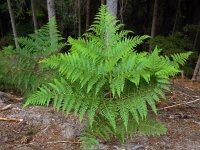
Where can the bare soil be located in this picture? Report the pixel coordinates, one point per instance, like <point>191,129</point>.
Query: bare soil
<point>45,129</point>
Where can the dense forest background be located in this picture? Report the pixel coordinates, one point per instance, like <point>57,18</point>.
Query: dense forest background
<point>176,22</point>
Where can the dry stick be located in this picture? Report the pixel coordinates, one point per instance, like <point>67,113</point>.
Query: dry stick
<point>179,104</point>
<point>18,146</point>
<point>55,142</point>
<point>10,96</point>
<point>10,119</point>
<point>72,142</point>
<point>6,107</point>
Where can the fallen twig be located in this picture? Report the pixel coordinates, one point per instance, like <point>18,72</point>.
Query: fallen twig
<point>179,104</point>
<point>53,142</point>
<point>6,107</point>
<point>11,119</point>
<point>11,97</point>
<point>185,94</point>
<point>18,146</point>
<point>72,142</point>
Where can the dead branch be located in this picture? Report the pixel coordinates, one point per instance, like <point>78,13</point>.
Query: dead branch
<point>11,119</point>
<point>6,107</point>
<point>179,104</point>
<point>53,142</point>
<point>72,142</point>
<point>10,96</point>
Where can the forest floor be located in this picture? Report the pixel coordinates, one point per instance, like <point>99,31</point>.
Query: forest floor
<point>45,129</point>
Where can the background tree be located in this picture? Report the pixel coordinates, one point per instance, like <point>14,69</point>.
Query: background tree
<point>121,5</point>
<point>154,19</point>
<point>12,19</point>
<point>51,8</point>
<point>196,75</point>
<point>103,1</point>
<point>177,14</point>
<point>34,16</point>
<point>112,6</point>
<point>196,36</point>
<point>87,13</point>
<point>79,17</point>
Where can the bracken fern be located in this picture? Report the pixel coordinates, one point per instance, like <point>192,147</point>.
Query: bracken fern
<point>104,78</point>
<point>20,67</point>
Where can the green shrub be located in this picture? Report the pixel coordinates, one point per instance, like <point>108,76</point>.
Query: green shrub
<point>171,44</point>
<point>6,40</point>
<point>104,78</point>
<point>20,67</point>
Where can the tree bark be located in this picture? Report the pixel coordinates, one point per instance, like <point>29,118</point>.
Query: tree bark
<point>79,17</point>
<point>196,75</point>
<point>1,28</point>
<point>121,11</point>
<point>51,8</point>
<point>177,12</point>
<point>34,14</point>
<point>112,7</point>
<point>196,36</point>
<point>13,23</point>
<point>155,12</point>
<point>87,14</point>
<point>103,2</point>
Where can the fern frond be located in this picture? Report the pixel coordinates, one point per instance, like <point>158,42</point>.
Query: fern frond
<point>27,75</point>
<point>109,114</point>
<point>88,142</point>
<point>180,58</point>
<point>151,127</point>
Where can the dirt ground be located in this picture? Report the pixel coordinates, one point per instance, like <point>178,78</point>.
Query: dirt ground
<point>44,129</point>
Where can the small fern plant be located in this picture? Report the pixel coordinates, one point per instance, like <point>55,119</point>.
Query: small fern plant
<point>104,79</point>
<point>20,66</point>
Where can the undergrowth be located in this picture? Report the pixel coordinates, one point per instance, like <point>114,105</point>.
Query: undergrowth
<point>20,68</point>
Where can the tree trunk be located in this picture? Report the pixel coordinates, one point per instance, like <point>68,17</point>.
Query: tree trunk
<point>177,12</point>
<point>51,14</point>
<point>196,37</point>
<point>34,15</point>
<point>87,14</point>
<point>121,11</point>
<point>112,7</point>
<point>196,75</point>
<point>1,28</point>
<point>79,17</point>
<point>103,2</point>
<point>13,23</point>
<point>155,11</point>
<point>51,8</point>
